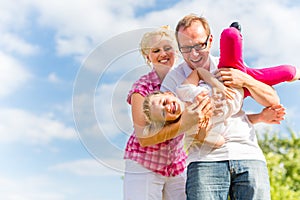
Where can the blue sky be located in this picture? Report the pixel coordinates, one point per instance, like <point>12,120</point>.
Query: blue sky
<point>66,68</point>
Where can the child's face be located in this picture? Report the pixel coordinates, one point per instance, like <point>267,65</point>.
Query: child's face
<point>165,107</point>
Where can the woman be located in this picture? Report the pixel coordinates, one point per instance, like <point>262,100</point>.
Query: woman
<point>155,164</point>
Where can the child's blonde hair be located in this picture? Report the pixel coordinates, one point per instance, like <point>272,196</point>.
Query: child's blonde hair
<point>146,106</point>
<point>153,125</point>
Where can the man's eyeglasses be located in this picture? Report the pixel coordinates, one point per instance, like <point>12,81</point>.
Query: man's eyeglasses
<point>197,47</point>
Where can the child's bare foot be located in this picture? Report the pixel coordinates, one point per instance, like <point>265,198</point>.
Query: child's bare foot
<point>297,75</point>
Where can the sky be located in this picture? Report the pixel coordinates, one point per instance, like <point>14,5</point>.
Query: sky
<point>67,66</point>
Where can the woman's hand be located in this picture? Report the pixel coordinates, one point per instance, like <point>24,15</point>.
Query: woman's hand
<point>202,133</point>
<point>196,113</point>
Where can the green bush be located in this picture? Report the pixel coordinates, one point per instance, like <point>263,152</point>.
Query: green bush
<point>283,158</point>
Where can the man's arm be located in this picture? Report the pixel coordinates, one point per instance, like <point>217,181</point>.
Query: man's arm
<point>260,92</point>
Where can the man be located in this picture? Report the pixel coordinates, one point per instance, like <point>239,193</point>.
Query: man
<point>238,168</point>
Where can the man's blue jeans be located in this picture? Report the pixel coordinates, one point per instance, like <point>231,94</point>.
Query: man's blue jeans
<point>241,179</point>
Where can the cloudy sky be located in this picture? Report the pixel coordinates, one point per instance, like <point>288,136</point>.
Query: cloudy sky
<point>66,68</point>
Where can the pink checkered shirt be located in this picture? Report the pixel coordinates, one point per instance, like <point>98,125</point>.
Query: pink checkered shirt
<point>167,158</point>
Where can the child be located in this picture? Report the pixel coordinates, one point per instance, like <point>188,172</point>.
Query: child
<point>230,55</point>
<point>164,108</point>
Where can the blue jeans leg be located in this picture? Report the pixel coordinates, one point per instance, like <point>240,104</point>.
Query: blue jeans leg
<point>241,179</point>
<point>208,180</point>
<point>249,180</point>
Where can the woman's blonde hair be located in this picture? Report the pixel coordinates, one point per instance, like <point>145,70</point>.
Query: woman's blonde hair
<point>164,32</point>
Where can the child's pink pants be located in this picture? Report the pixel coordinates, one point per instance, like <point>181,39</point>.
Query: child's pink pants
<point>231,56</point>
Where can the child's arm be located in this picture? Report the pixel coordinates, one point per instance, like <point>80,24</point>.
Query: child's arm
<point>193,78</point>
<point>207,77</point>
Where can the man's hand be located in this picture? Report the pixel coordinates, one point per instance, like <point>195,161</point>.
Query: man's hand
<point>260,92</point>
<point>232,77</point>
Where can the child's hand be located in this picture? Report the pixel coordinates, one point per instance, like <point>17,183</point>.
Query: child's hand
<point>273,114</point>
<point>218,99</point>
<point>224,94</point>
<point>229,93</point>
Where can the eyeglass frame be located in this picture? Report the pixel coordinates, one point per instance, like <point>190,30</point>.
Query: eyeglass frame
<point>204,45</point>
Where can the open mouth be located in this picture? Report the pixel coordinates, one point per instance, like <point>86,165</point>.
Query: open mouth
<point>174,107</point>
<point>164,61</point>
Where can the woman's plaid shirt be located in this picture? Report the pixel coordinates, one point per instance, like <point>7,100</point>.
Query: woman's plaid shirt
<point>167,158</point>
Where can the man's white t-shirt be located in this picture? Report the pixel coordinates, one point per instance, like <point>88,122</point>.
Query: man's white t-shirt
<point>240,137</point>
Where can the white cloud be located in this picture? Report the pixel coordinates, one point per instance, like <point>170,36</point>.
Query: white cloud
<point>265,26</point>
<point>15,44</point>
<point>84,23</point>
<point>13,22</point>
<point>29,188</point>
<point>113,113</point>
<point>12,17</point>
<point>22,126</point>
<point>270,30</point>
<point>101,121</point>
<point>12,75</point>
<point>269,26</point>
<point>89,167</point>
<point>52,77</point>
<point>56,186</point>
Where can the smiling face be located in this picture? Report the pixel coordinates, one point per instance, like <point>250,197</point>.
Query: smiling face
<point>165,107</point>
<point>191,36</point>
<point>160,50</point>
<point>162,53</point>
